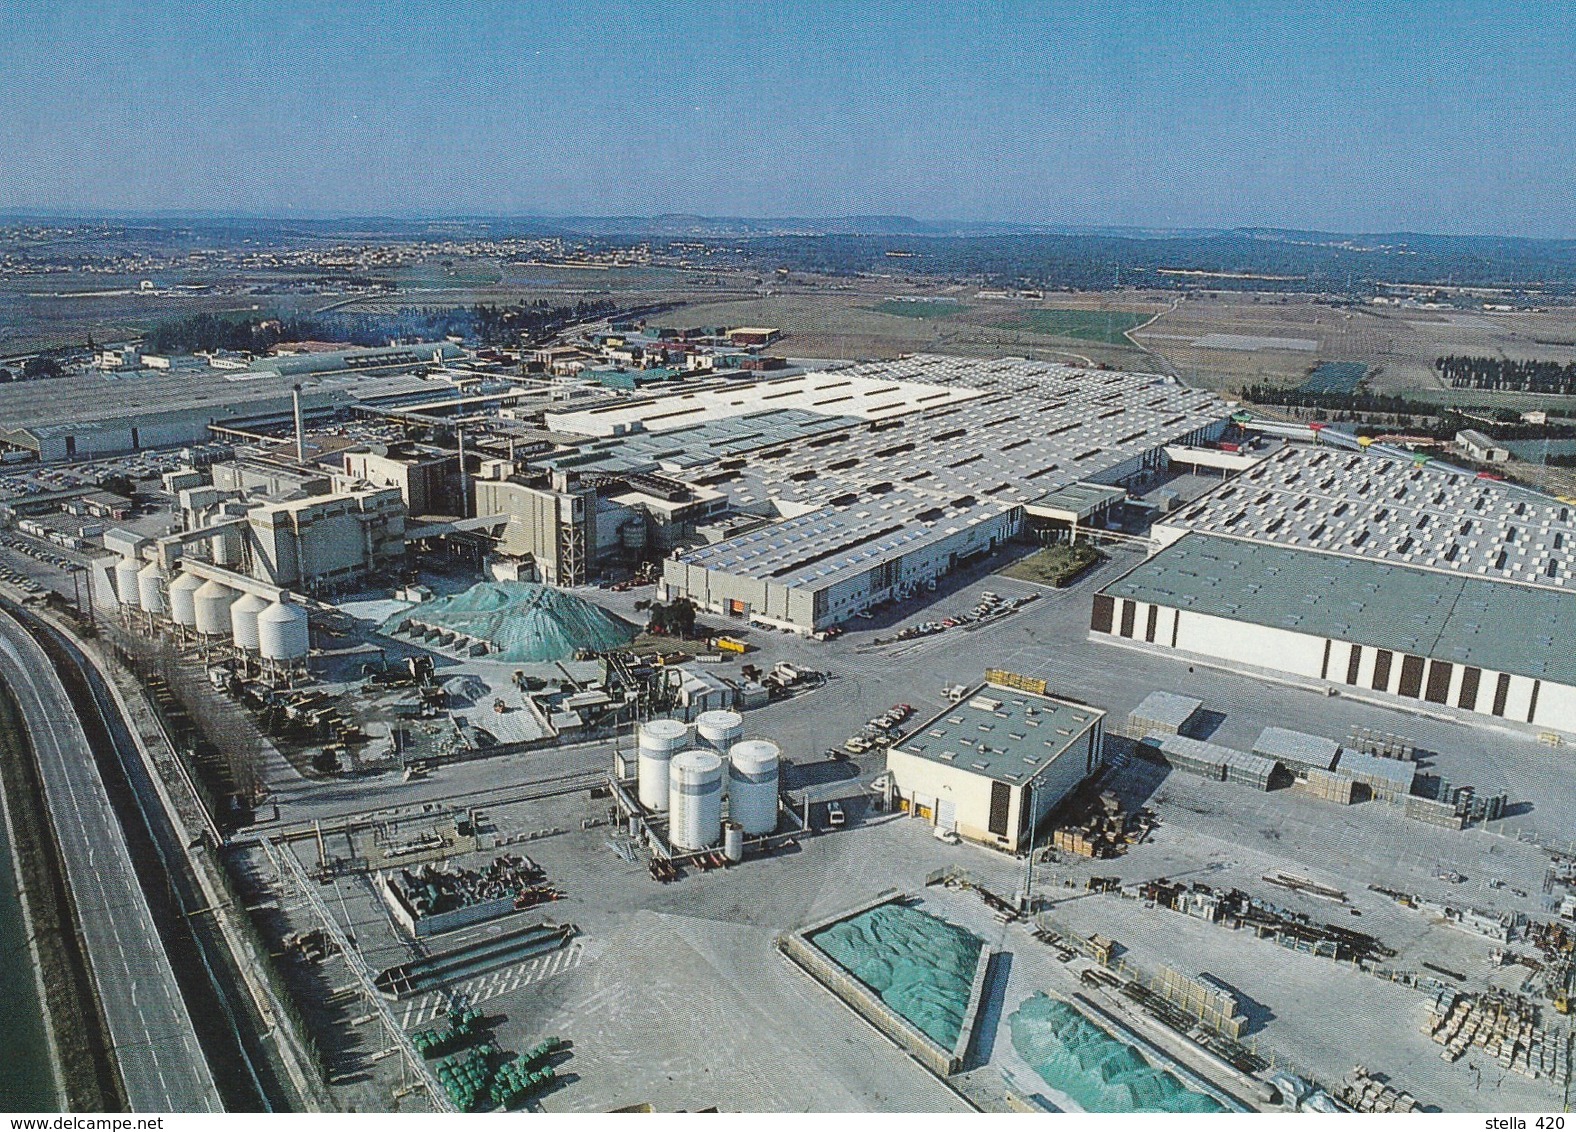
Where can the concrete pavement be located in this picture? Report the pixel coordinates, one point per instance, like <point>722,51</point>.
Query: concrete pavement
<point>160,1061</point>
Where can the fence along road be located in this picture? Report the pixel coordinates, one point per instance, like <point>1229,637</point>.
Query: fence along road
<point>160,1061</point>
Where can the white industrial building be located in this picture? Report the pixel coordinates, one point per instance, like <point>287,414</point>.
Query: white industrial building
<point>1400,576</point>
<point>992,766</point>
<point>327,540</point>
<point>95,414</point>
<point>1409,512</point>
<point>927,462</point>
<point>1428,636</point>
<point>1481,447</point>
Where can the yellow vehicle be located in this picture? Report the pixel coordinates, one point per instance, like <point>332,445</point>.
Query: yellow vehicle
<point>729,644</point>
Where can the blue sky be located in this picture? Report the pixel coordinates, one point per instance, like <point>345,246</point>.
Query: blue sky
<point>1349,116</point>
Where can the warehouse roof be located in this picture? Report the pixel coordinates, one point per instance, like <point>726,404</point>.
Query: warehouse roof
<point>1375,506</point>
<point>1078,499</point>
<point>831,543</point>
<point>66,404</point>
<point>1026,430</point>
<point>1495,625</point>
<point>1001,733</point>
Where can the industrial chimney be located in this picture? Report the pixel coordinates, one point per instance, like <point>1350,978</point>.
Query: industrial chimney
<point>295,401</point>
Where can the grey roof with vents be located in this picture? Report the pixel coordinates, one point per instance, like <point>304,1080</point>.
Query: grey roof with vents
<point>1501,626</point>
<point>1009,743</point>
<point>1372,505</point>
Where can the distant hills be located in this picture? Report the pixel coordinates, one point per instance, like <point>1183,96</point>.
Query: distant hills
<point>1034,255</point>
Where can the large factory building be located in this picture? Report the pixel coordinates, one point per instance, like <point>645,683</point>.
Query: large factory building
<point>992,766</point>
<point>873,481</point>
<point>1415,582</point>
<point>92,415</point>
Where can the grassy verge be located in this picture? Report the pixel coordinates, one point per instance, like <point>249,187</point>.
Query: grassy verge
<point>1055,565</point>
<point>87,1062</point>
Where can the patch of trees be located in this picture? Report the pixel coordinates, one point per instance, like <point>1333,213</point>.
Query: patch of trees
<point>1520,375</point>
<point>41,367</point>
<point>119,484</point>
<point>673,619</point>
<point>205,331</point>
<point>216,737</point>
<point>1389,411</point>
<point>488,324</point>
<point>1362,402</point>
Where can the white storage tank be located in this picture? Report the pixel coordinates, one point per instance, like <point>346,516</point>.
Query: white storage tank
<point>150,588</point>
<point>733,841</point>
<point>212,607</point>
<point>659,741</point>
<point>126,583</point>
<point>183,599</point>
<point>243,620</point>
<point>282,632</point>
<point>753,768</point>
<point>695,795</point>
<point>719,730</point>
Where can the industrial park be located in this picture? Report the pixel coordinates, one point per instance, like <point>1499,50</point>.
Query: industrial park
<point>900,559</point>
<point>999,717</point>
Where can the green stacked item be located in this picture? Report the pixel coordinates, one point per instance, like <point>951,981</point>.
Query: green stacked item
<point>433,1042</point>
<point>525,1075</point>
<point>465,1077</point>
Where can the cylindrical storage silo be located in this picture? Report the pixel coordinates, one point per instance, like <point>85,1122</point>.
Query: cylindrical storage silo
<point>150,588</point>
<point>719,730</point>
<point>211,604</point>
<point>126,583</point>
<point>733,841</point>
<point>243,620</point>
<point>695,798</point>
<point>660,740</point>
<point>183,599</point>
<point>282,632</point>
<point>753,768</point>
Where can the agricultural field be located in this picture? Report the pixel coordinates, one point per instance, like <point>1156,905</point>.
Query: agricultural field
<point>920,308</point>
<point>826,320</point>
<point>1335,377</point>
<point>1230,341</point>
<point>1106,326</point>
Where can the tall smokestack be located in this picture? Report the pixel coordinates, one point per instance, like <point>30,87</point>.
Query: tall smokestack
<point>465,503</point>
<point>295,401</point>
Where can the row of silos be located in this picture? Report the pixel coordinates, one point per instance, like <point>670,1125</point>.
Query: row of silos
<point>690,782</point>
<point>274,630</point>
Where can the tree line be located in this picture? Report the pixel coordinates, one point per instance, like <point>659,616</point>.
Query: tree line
<point>1523,375</point>
<point>488,324</point>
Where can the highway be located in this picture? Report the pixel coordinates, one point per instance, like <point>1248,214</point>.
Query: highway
<point>160,1061</point>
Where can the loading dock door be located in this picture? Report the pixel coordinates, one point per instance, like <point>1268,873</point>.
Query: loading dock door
<point>946,814</point>
<point>737,608</point>
<point>924,807</point>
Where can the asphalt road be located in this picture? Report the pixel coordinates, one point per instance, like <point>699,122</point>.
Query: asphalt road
<point>160,1061</point>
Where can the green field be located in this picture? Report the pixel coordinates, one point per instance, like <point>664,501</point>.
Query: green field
<point>1085,326</point>
<point>920,308</point>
